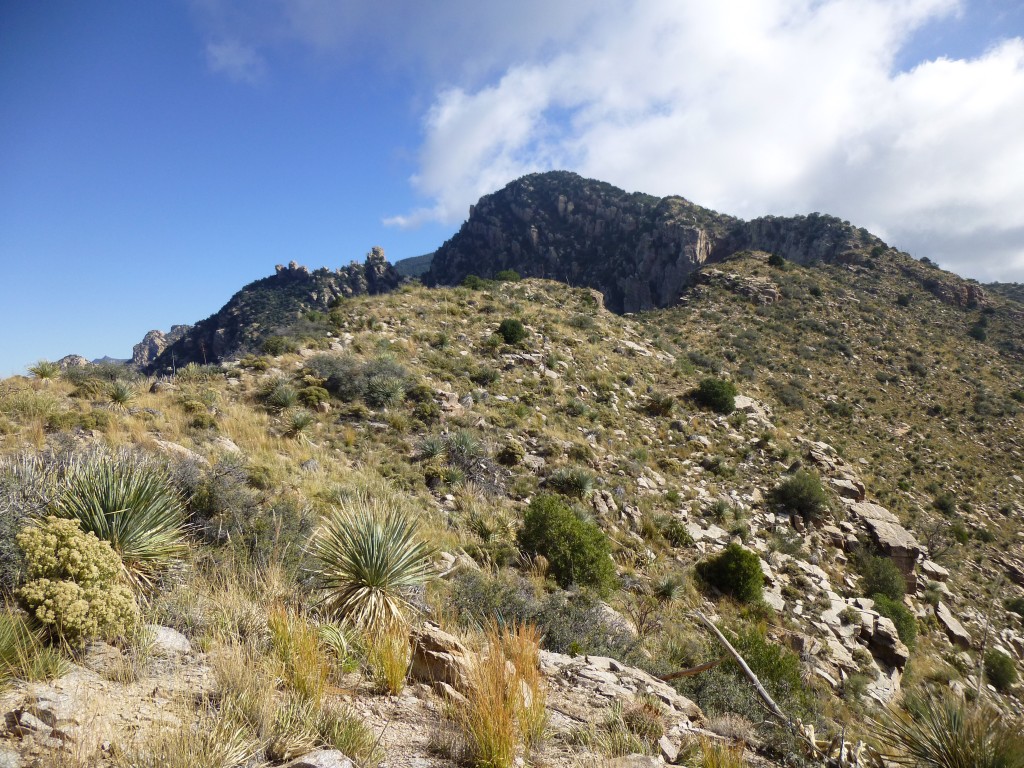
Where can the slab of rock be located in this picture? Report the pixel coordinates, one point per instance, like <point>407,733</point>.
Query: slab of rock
<point>848,489</point>
<point>934,571</point>
<point>955,631</point>
<point>889,534</point>
<point>438,657</point>
<point>322,758</point>
<point>886,645</point>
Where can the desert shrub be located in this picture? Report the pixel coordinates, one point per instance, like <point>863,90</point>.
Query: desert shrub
<point>575,482</point>
<point>507,276</point>
<point>660,404</point>
<point>675,531</point>
<point>734,571</point>
<point>298,421</point>
<point>279,345</point>
<point>26,486</point>
<point>129,502</point>
<point>511,453</point>
<point>569,622</point>
<point>512,330</point>
<point>999,670</point>
<point>717,394</point>
<point>1015,605</point>
<point>774,260</point>
<point>900,615</point>
<point>801,494</point>
<point>311,397</point>
<point>879,575</point>
<point>368,552</point>
<point>474,282</point>
<point>577,550</point>
<point>73,585</point>
<point>340,374</point>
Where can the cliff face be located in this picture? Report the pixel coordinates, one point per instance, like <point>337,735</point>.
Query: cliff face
<point>263,307</point>
<point>638,250</point>
<point>641,251</point>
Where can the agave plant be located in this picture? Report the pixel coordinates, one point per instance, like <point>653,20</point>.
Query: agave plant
<point>369,552</point>
<point>945,734</point>
<point>129,502</point>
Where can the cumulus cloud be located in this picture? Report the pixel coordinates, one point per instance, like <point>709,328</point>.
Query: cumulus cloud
<point>754,107</point>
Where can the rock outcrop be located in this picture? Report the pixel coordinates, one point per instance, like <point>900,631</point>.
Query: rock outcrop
<point>154,343</point>
<point>269,306</point>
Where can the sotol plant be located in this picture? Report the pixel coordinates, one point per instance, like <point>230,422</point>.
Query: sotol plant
<point>129,502</point>
<point>368,552</point>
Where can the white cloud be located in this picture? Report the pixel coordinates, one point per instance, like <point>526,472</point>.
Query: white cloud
<point>235,60</point>
<point>754,107</point>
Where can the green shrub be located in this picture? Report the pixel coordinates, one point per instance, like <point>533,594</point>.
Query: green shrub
<point>801,494</point>
<point>660,404</point>
<point>74,585</point>
<point>311,397</point>
<point>572,481</point>
<point>384,390</point>
<point>717,394</point>
<point>1015,605</point>
<point>508,276</point>
<point>774,260</point>
<point>129,502</point>
<point>900,615</point>
<point>1000,670</point>
<point>577,550</point>
<point>474,282</point>
<point>280,345</point>
<point>879,575</point>
<point>734,571</point>
<point>280,395</point>
<point>512,330</point>
<point>511,453</point>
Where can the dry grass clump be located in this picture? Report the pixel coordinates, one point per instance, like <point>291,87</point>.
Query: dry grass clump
<point>504,700</point>
<point>715,754</point>
<point>297,645</point>
<point>387,657</point>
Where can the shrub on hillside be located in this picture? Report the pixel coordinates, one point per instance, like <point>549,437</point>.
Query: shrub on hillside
<point>577,550</point>
<point>508,276</point>
<point>512,330</point>
<point>879,575</point>
<point>734,571</point>
<point>900,615</point>
<point>572,481</point>
<point>801,494</point>
<point>999,670</point>
<point>73,585</point>
<point>717,394</point>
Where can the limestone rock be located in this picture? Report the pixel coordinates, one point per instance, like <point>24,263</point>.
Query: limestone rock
<point>955,631</point>
<point>891,537</point>
<point>168,642</point>
<point>934,571</point>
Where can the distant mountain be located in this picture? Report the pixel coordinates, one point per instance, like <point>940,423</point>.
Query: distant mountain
<point>265,307</point>
<point>642,251</point>
<point>414,266</point>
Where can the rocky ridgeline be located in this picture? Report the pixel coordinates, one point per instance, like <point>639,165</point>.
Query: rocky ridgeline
<point>642,252</point>
<point>261,309</point>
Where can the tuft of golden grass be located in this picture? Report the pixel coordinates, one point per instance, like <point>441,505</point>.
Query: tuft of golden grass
<point>717,754</point>
<point>296,642</point>
<point>487,719</point>
<point>521,645</point>
<point>387,657</point>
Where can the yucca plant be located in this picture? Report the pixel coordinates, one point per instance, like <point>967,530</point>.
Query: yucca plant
<point>23,655</point>
<point>120,393</point>
<point>129,502</point>
<point>945,734</point>
<point>299,421</point>
<point>44,370</point>
<point>368,552</point>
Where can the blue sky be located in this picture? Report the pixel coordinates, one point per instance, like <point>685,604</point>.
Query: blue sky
<point>155,157</point>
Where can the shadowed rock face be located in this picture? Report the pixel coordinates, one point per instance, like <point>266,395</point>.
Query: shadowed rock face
<point>263,308</point>
<point>640,251</point>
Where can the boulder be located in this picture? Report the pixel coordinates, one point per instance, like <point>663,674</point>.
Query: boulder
<point>886,645</point>
<point>955,631</point>
<point>934,571</point>
<point>439,657</point>
<point>168,642</point>
<point>891,537</point>
<point>321,758</point>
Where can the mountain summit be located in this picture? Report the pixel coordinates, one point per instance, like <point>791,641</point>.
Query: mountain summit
<point>642,251</point>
